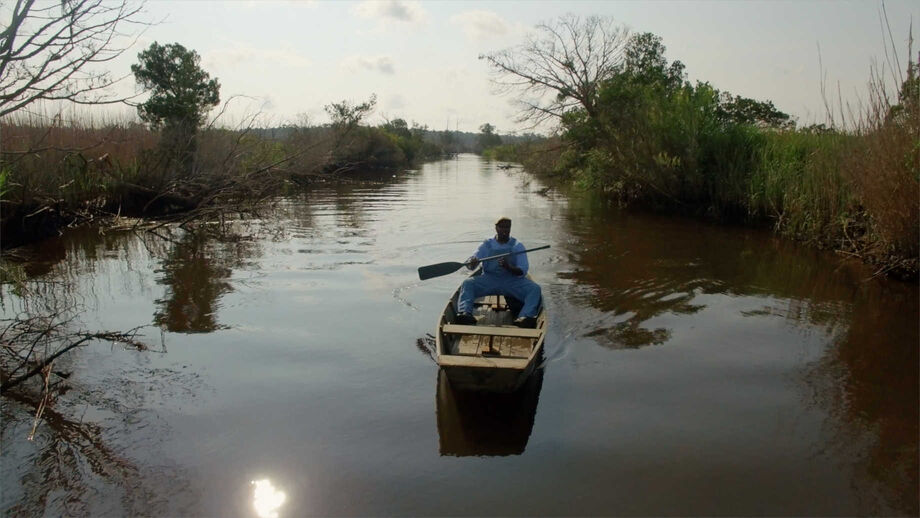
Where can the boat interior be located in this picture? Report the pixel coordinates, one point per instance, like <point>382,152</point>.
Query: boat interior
<point>494,333</point>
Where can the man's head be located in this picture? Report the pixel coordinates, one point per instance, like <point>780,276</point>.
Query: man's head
<point>502,229</point>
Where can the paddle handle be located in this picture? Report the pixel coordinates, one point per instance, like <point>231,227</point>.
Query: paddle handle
<point>544,247</point>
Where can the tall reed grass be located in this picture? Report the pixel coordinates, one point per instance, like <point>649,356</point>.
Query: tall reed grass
<point>68,161</point>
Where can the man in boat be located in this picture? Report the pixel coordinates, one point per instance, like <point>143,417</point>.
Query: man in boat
<point>505,276</point>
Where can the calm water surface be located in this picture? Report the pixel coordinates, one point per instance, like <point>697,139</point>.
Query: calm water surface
<point>690,369</point>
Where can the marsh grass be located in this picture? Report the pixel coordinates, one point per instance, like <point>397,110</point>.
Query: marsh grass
<point>883,166</point>
<point>56,172</point>
<point>67,162</point>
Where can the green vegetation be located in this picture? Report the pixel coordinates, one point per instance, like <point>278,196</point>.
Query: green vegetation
<point>646,137</point>
<point>181,94</point>
<point>487,137</point>
<point>629,125</point>
<point>62,174</point>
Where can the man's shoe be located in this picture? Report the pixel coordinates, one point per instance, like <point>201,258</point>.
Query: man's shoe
<point>465,319</point>
<point>526,322</point>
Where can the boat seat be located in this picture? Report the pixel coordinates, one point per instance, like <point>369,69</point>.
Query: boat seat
<point>500,303</point>
<point>516,332</point>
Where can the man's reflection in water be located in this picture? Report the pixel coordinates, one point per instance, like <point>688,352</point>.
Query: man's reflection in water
<point>485,424</point>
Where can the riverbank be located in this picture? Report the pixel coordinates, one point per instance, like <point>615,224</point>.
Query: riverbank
<point>54,176</point>
<point>855,191</point>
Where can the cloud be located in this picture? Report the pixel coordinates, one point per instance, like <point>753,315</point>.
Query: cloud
<point>255,5</point>
<point>481,24</point>
<point>395,102</point>
<point>382,64</point>
<point>236,56</point>
<point>398,10</point>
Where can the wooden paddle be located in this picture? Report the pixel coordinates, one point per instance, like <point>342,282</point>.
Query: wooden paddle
<point>437,270</point>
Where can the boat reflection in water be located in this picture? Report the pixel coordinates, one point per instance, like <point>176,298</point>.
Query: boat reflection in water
<point>472,423</point>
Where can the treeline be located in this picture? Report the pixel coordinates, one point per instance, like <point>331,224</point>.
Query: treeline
<point>55,174</point>
<point>175,163</point>
<point>447,142</point>
<point>646,137</point>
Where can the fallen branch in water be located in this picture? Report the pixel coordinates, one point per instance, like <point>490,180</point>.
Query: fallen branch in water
<point>46,395</point>
<point>22,337</point>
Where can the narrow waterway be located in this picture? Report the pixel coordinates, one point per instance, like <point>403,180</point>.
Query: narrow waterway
<point>690,369</point>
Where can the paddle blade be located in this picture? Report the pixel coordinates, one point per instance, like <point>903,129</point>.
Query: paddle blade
<point>437,270</point>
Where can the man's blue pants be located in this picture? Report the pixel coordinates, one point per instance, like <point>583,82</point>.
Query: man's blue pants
<point>520,288</point>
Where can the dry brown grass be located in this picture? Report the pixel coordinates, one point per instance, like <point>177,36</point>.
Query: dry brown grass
<point>883,165</point>
<point>121,139</point>
<point>60,160</point>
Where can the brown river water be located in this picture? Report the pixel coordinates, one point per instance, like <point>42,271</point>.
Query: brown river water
<point>690,369</point>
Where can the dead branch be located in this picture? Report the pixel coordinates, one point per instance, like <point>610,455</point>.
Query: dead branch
<point>48,51</point>
<point>56,328</point>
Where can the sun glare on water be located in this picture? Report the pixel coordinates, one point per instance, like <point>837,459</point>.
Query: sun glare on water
<point>266,498</point>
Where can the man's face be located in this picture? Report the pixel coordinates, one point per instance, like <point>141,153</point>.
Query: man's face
<point>503,231</point>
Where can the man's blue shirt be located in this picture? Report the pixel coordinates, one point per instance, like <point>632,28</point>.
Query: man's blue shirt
<point>491,247</point>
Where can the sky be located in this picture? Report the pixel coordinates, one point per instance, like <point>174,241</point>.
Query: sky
<point>284,61</point>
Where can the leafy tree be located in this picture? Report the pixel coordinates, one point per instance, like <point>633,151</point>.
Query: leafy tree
<point>638,88</point>
<point>398,127</point>
<point>346,115</point>
<point>181,95</point>
<point>45,50</point>
<point>487,137</point>
<point>741,110</point>
<point>181,92</point>
<point>560,67</point>
<point>645,63</point>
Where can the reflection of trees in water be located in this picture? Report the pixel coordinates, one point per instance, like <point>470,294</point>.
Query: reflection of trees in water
<point>55,273</point>
<point>640,267</point>
<point>65,455</point>
<point>868,380</point>
<point>71,461</point>
<point>195,272</point>
<point>356,199</point>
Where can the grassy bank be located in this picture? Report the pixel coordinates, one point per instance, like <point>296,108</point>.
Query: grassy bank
<point>54,174</point>
<point>855,189</point>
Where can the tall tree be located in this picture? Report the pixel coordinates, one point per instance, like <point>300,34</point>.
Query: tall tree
<point>48,51</point>
<point>560,67</point>
<point>181,92</point>
<point>487,137</point>
<point>181,95</point>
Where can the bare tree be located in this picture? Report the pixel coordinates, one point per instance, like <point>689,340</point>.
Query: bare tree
<point>49,49</point>
<point>560,66</point>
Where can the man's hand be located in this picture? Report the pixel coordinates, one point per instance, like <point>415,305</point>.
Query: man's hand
<point>472,262</point>
<point>503,262</point>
